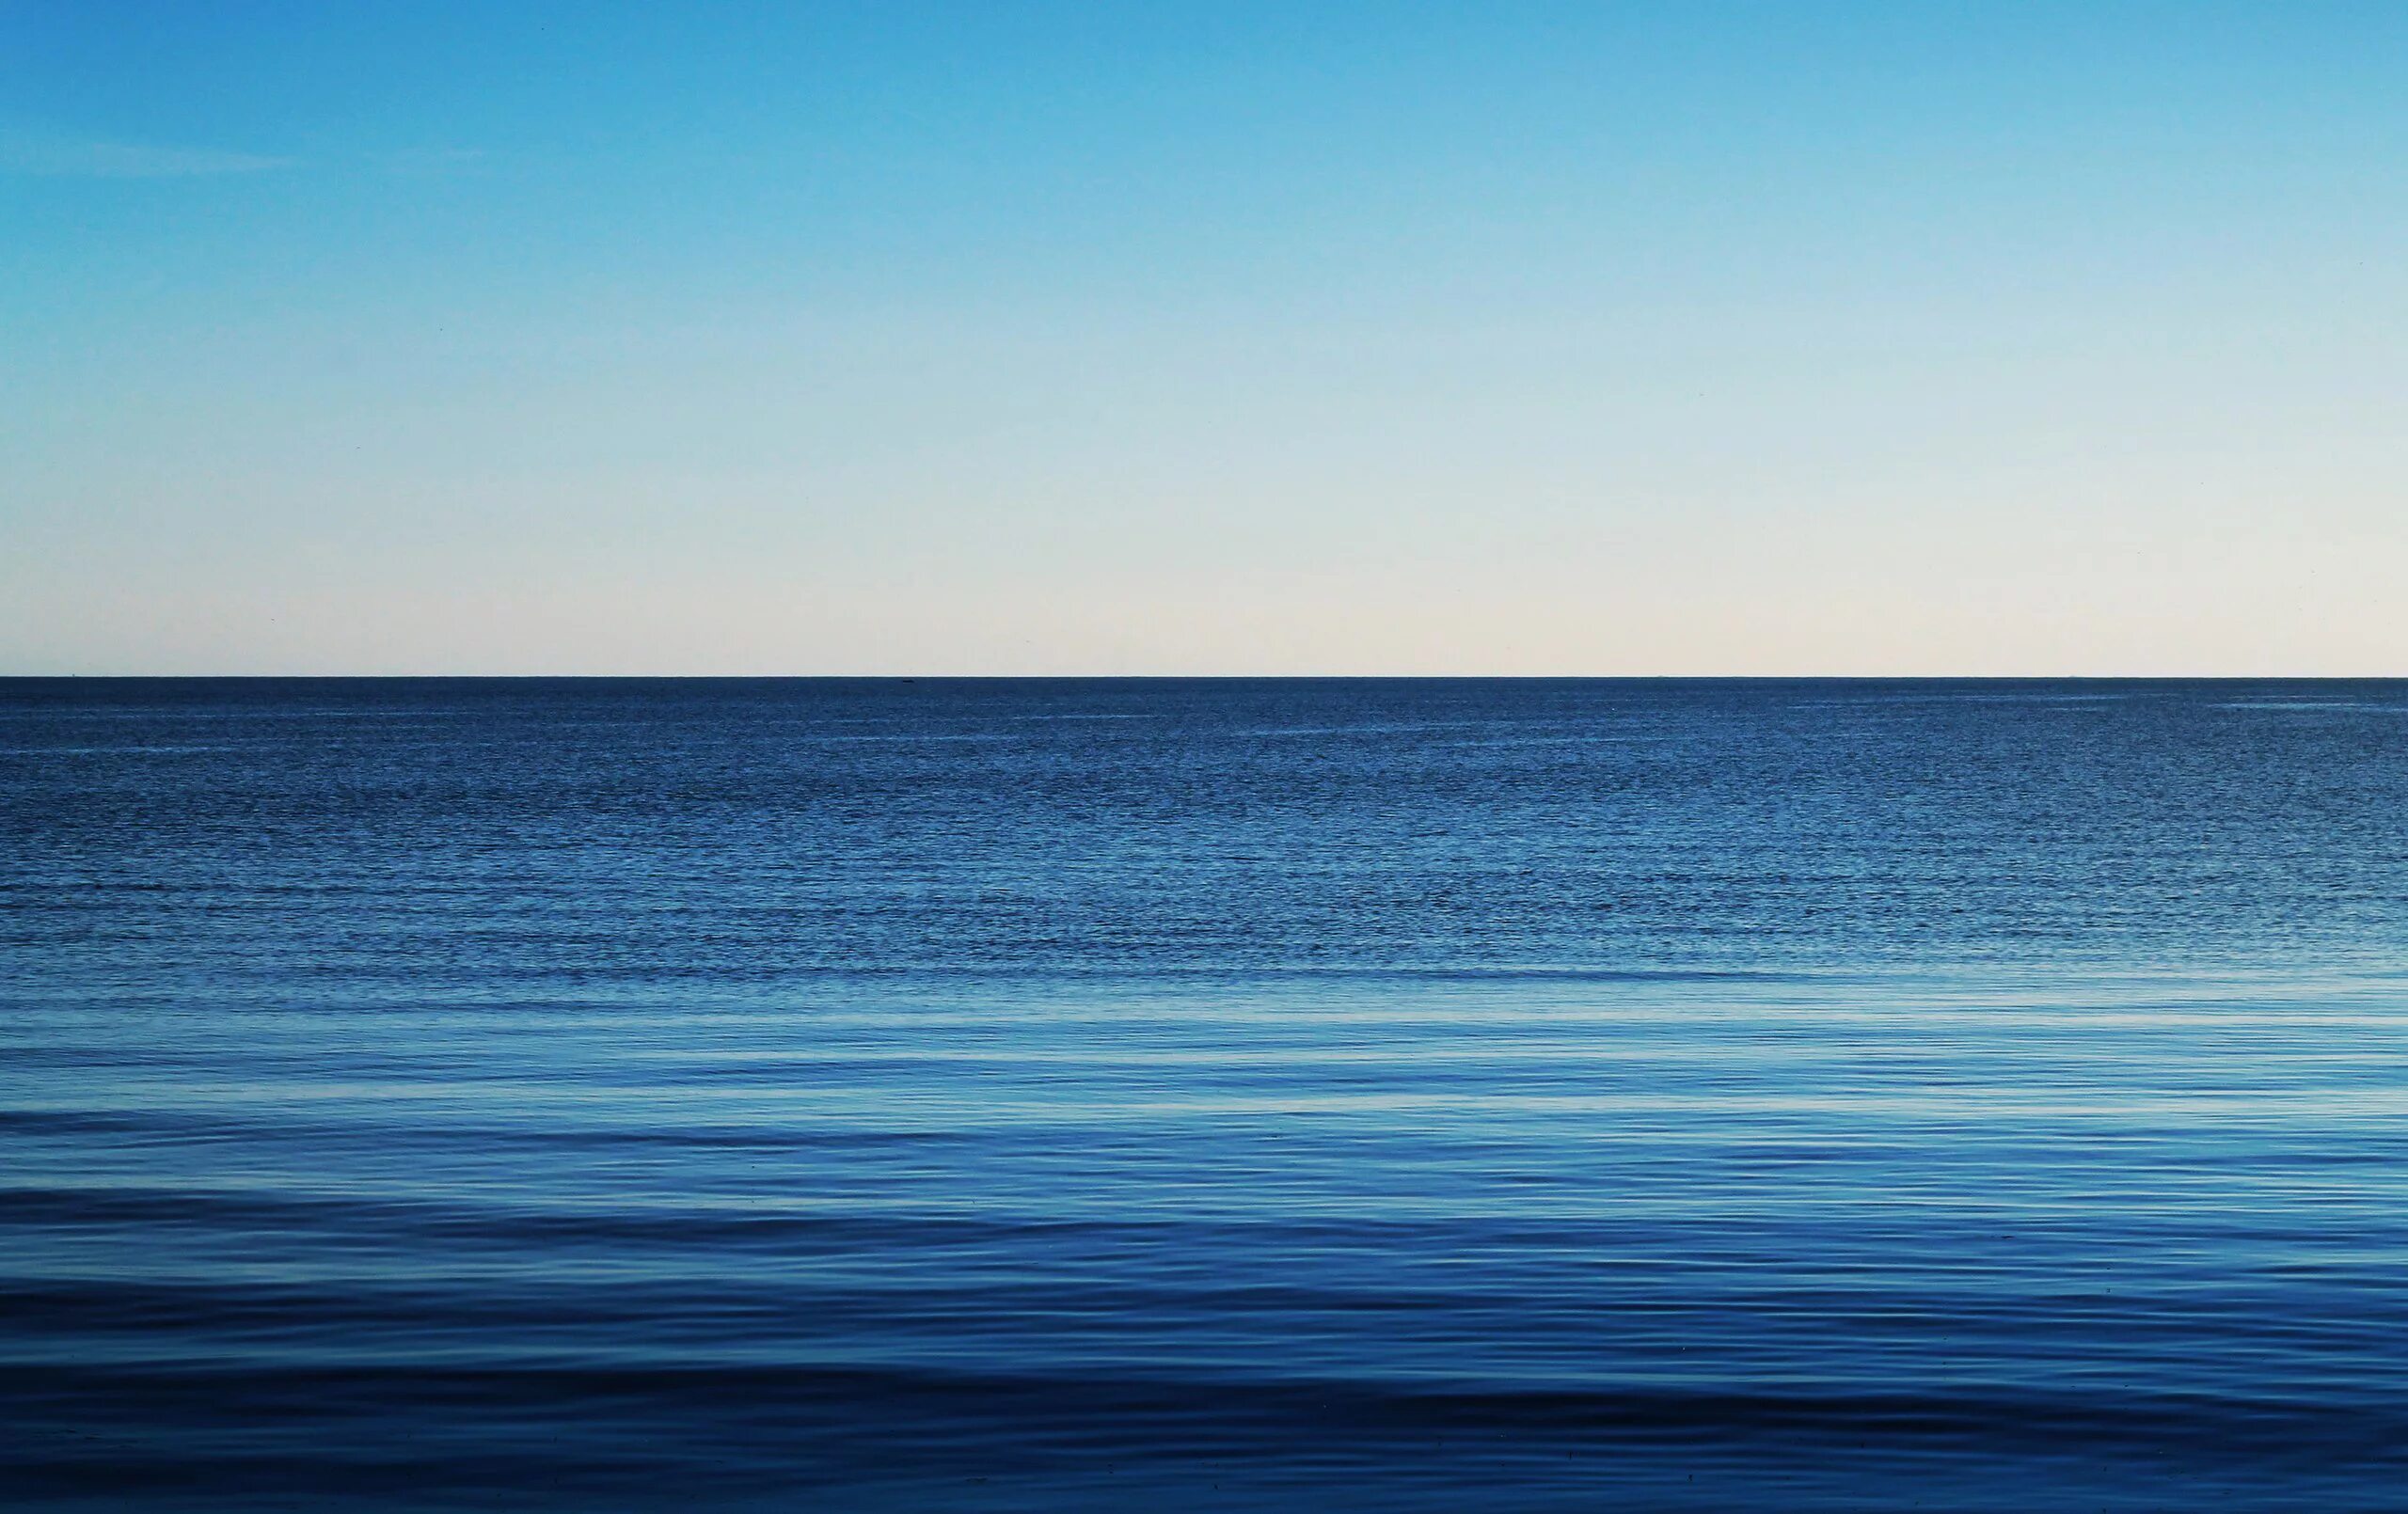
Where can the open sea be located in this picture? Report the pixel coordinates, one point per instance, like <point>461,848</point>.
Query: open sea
<point>1089,1096</point>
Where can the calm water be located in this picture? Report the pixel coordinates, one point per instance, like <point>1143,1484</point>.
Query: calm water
<point>1163,1094</point>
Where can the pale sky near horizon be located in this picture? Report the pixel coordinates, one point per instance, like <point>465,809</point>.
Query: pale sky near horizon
<point>1680,338</point>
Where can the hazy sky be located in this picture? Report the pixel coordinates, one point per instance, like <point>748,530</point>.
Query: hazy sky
<point>1140,337</point>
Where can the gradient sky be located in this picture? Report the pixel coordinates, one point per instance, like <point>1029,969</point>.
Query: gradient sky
<point>1688,337</point>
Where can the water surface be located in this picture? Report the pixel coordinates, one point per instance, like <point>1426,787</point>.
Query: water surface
<point>1073,1095</point>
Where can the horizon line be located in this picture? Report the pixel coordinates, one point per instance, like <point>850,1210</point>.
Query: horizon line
<point>1250,678</point>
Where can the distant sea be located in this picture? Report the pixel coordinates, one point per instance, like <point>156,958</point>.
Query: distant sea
<point>1203,1094</point>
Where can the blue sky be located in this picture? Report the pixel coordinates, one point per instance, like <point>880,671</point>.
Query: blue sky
<point>1682,338</point>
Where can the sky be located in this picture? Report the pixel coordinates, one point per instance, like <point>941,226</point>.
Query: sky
<point>1690,338</point>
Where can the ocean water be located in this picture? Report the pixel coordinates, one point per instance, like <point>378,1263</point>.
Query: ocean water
<point>1098,1096</point>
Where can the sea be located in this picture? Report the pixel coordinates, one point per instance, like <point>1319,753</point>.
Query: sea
<point>1183,1095</point>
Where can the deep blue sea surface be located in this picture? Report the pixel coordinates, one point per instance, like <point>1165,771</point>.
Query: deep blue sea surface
<point>1163,1094</point>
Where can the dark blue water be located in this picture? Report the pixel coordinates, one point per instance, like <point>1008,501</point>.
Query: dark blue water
<point>1166,1095</point>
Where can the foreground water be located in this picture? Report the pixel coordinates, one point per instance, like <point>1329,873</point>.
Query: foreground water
<point>1100,1095</point>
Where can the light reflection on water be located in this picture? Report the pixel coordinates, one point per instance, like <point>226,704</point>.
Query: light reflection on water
<point>1219,1095</point>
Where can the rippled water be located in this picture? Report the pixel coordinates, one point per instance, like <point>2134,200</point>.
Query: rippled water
<point>1204,1095</point>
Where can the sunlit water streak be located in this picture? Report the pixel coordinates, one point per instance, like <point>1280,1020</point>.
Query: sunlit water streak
<point>1071,1095</point>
